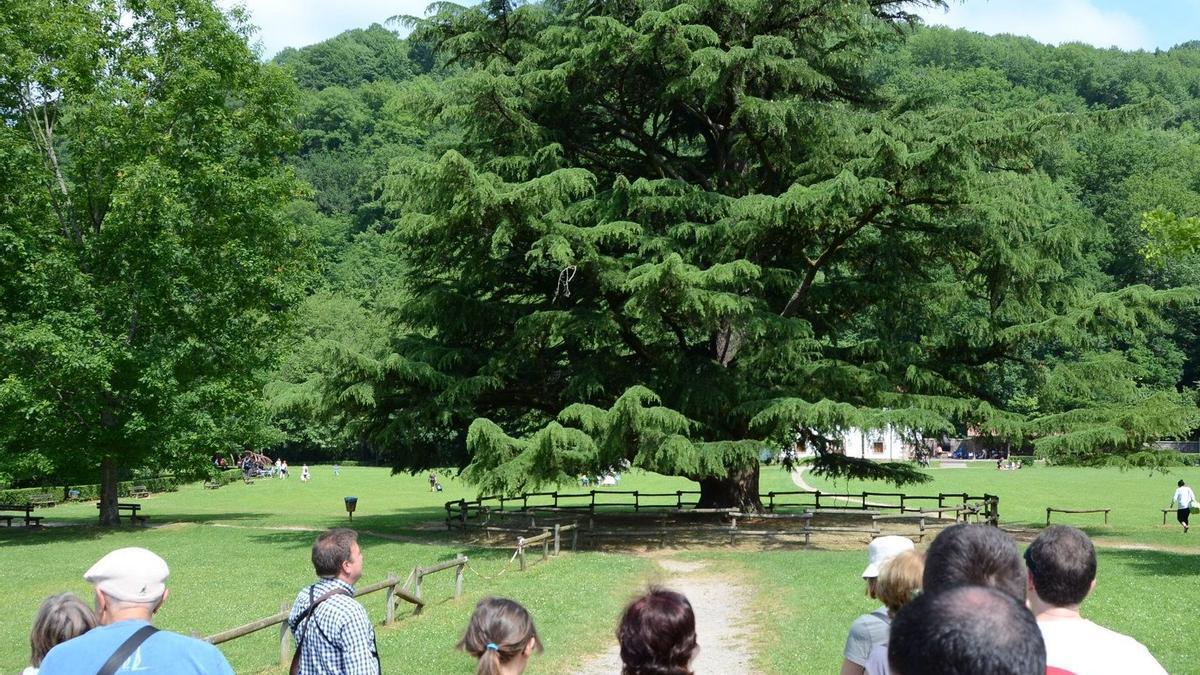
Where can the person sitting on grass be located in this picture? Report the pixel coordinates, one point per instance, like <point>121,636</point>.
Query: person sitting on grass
<point>501,635</point>
<point>871,630</point>
<point>1062,572</point>
<point>60,618</point>
<point>899,582</point>
<point>657,634</point>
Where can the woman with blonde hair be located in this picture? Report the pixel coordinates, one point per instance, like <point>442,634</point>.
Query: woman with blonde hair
<point>899,582</point>
<point>502,636</point>
<point>60,618</point>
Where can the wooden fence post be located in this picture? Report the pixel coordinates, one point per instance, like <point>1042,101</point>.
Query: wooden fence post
<point>390,616</point>
<point>458,580</point>
<point>545,549</point>
<point>557,538</point>
<point>285,639</point>
<point>575,537</point>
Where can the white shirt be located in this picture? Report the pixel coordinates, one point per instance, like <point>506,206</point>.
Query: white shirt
<point>1086,648</point>
<point>1183,497</point>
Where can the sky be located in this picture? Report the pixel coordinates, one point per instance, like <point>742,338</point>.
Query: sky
<point>1127,24</point>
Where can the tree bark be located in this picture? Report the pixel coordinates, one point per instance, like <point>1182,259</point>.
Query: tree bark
<point>737,489</point>
<point>109,516</point>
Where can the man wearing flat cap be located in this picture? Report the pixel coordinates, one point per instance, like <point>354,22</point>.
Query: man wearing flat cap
<point>130,586</point>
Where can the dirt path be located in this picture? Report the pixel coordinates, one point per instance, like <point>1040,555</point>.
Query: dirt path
<point>722,626</point>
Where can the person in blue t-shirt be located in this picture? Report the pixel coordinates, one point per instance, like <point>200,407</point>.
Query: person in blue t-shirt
<point>130,586</point>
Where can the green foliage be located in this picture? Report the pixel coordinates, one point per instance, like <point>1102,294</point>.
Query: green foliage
<point>148,267</point>
<point>675,233</point>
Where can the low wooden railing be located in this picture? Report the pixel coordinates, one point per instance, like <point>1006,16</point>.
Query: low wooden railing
<point>395,594</point>
<point>461,512</point>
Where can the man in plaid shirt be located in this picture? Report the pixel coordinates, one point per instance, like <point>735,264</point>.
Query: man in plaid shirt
<point>333,633</point>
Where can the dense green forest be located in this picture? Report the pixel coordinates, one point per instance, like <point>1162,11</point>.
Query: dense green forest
<point>554,237</point>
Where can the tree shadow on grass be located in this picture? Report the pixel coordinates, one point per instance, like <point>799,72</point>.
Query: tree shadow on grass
<point>1158,563</point>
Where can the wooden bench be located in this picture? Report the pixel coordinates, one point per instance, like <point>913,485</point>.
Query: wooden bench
<point>43,499</point>
<point>1050,509</point>
<point>139,491</point>
<point>131,509</point>
<point>1168,511</point>
<point>25,509</point>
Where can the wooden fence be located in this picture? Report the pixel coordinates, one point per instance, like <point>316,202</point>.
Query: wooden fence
<point>393,598</point>
<point>476,513</point>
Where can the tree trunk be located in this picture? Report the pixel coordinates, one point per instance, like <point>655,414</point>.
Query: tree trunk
<point>737,489</point>
<point>108,493</point>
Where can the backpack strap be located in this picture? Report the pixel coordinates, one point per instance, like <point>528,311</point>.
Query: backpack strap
<point>131,643</point>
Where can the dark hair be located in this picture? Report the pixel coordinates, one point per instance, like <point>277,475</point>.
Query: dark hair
<point>331,549</point>
<point>1062,563</point>
<point>498,632</point>
<point>964,631</point>
<point>974,555</point>
<point>1180,482</point>
<point>658,634</point>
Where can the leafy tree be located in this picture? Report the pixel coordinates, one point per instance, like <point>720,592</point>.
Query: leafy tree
<point>678,232</point>
<point>350,59</point>
<point>148,268</point>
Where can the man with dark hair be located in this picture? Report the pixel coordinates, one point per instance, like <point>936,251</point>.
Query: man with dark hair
<point>1062,572</point>
<point>974,555</point>
<point>1182,501</point>
<point>333,633</point>
<point>966,630</point>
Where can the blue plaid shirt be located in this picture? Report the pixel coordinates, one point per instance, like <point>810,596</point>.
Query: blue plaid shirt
<point>337,637</point>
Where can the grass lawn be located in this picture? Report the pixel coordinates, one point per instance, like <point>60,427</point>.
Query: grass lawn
<point>240,552</point>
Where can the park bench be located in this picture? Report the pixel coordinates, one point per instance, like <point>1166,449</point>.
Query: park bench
<point>42,499</point>
<point>138,491</point>
<point>25,509</point>
<point>1050,509</point>
<point>131,509</point>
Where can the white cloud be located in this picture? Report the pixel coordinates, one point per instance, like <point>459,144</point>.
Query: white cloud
<point>1048,21</point>
<point>296,23</point>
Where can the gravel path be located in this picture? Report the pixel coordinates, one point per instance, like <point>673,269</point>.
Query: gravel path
<point>722,628</point>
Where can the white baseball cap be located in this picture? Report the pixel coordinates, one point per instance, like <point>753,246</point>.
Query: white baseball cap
<point>883,549</point>
<point>130,574</point>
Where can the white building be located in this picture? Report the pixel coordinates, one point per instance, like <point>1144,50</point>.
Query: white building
<point>881,444</point>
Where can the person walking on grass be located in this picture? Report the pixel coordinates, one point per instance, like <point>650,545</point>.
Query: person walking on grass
<point>304,475</point>
<point>1183,500</point>
<point>333,632</point>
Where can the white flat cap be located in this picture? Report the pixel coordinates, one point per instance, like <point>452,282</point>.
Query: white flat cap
<point>131,574</point>
<point>883,549</point>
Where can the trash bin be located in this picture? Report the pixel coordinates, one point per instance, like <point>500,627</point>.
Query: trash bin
<point>351,503</point>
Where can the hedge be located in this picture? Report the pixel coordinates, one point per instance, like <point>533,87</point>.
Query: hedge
<point>89,492</point>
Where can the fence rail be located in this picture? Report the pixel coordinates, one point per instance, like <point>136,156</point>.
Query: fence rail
<point>395,594</point>
<point>460,512</point>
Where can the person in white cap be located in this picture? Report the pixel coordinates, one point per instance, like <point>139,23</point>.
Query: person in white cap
<point>130,586</point>
<point>871,630</point>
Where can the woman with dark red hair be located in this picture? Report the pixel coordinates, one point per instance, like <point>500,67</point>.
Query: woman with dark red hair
<point>658,634</point>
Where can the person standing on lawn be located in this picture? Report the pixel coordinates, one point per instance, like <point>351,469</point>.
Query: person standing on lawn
<point>1062,572</point>
<point>130,586</point>
<point>333,633</point>
<point>1183,500</point>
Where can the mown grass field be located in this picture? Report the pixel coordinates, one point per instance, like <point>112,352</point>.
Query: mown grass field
<point>240,552</point>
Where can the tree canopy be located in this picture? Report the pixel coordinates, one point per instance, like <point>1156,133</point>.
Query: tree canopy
<point>148,268</point>
<point>676,233</point>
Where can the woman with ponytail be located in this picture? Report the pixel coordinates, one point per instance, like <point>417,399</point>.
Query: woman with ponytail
<point>658,634</point>
<point>502,636</point>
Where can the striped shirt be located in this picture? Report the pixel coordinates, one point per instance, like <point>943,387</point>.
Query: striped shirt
<point>337,638</point>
